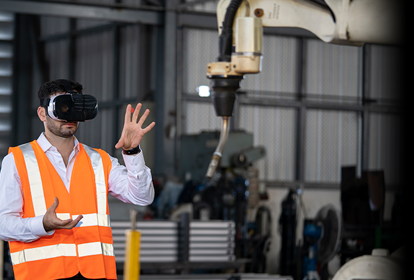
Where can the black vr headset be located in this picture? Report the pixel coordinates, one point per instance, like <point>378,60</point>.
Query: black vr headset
<point>71,106</point>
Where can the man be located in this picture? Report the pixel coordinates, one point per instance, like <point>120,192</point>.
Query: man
<point>53,191</point>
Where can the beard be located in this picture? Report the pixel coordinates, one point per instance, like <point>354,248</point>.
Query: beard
<point>61,129</point>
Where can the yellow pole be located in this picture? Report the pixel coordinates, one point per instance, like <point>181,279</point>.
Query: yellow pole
<point>132,248</point>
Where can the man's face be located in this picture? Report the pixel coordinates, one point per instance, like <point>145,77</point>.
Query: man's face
<point>61,128</point>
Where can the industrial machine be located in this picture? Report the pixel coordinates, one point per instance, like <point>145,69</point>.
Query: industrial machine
<point>322,237</point>
<point>287,230</point>
<point>239,153</point>
<point>240,22</point>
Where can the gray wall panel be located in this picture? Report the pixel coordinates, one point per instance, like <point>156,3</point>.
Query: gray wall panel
<point>330,69</point>
<point>132,69</point>
<point>6,50</point>
<point>6,67</point>
<point>273,128</point>
<point>53,25</point>
<point>94,70</point>
<point>331,142</point>
<point>385,149</point>
<point>199,117</point>
<point>199,48</point>
<point>6,30</point>
<point>385,69</point>
<point>94,65</point>
<point>56,53</point>
<point>5,85</point>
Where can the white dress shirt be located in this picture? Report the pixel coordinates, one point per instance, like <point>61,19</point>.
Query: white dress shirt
<point>131,183</point>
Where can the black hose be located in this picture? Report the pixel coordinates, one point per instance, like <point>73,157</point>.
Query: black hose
<point>226,36</point>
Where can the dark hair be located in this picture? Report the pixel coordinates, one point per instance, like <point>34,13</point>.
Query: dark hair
<point>57,86</point>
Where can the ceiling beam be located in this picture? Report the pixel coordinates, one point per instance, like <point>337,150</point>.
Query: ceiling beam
<point>90,11</point>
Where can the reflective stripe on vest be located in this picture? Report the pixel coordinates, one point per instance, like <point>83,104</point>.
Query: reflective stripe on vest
<point>62,250</point>
<point>97,166</point>
<point>33,173</point>
<point>88,219</point>
<point>95,248</point>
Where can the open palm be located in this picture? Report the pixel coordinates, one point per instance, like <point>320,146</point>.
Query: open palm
<point>132,133</point>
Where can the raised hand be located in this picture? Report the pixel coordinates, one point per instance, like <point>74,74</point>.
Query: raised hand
<point>132,133</point>
<point>52,222</point>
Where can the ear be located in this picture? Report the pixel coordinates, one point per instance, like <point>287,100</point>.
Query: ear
<point>41,112</point>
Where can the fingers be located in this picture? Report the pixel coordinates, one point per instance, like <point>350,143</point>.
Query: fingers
<point>71,223</point>
<point>143,118</point>
<point>61,223</point>
<point>132,131</point>
<point>119,144</point>
<point>52,222</point>
<point>128,114</point>
<point>57,223</point>
<point>136,113</point>
<point>77,220</point>
<point>149,127</point>
<point>55,204</point>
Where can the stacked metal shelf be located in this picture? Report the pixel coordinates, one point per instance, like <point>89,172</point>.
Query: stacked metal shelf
<point>165,241</point>
<point>211,241</point>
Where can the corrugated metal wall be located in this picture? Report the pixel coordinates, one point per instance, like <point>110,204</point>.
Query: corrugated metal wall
<point>331,69</point>
<point>385,149</point>
<point>6,75</point>
<point>94,67</point>
<point>273,128</point>
<point>331,74</point>
<point>385,129</point>
<point>384,75</point>
<point>331,142</point>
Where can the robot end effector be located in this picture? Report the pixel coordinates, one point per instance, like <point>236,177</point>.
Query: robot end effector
<point>226,73</point>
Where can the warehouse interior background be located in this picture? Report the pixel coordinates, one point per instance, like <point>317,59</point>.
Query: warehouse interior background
<point>318,114</point>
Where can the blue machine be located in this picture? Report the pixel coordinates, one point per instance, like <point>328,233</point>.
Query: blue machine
<point>322,236</point>
<point>313,233</point>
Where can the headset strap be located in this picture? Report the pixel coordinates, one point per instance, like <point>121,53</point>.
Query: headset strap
<point>44,102</point>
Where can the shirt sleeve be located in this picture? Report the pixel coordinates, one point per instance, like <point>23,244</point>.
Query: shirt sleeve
<point>131,183</point>
<point>12,226</point>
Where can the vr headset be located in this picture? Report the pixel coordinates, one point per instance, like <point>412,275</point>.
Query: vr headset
<point>71,106</point>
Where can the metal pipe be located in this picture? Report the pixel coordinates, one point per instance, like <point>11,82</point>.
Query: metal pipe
<point>218,152</point>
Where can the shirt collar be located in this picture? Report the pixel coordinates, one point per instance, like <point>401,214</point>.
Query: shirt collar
<point>45,144</point>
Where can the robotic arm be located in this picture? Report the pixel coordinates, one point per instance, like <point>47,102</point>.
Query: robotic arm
<point>344,22</point>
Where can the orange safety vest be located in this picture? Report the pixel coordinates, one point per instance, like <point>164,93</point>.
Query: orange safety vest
<point>88,247</point>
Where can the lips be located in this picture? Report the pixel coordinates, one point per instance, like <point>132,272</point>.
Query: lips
<point>70,124</point>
